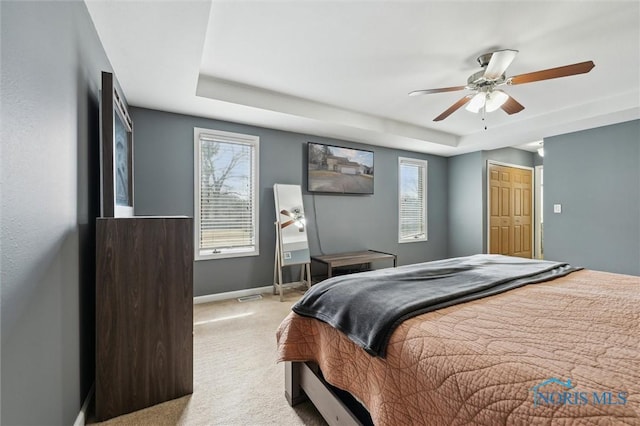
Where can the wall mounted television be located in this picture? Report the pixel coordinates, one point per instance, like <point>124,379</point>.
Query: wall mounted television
<point>340,170</point>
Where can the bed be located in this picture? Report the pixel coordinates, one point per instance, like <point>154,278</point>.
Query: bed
<point>564,351</point>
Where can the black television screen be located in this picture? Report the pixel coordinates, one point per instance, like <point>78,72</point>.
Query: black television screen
<point>336,169</point>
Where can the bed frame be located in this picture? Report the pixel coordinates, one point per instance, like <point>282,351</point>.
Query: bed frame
<point>303,380</point>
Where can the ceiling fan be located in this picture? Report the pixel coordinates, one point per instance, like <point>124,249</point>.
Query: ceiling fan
<point>297,218</point>
<point>486,96</point>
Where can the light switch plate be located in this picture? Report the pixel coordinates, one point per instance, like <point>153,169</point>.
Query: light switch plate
<point>557,208</point>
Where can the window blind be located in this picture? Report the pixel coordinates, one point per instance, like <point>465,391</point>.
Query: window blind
<point>412,197</point>
<point>227,190</point>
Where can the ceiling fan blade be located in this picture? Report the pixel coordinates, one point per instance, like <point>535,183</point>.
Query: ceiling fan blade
<point>511,106</point>
<point>565,71</point>
<point>453,108</point>
<point>286,213</point>
<point>428,91</point>
<point>287,223</point>
<point>498,63</point>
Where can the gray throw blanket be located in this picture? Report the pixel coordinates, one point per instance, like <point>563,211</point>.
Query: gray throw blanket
<point>368,306</point>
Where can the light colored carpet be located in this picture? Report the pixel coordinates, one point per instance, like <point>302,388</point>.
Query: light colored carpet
<point>236,378</point>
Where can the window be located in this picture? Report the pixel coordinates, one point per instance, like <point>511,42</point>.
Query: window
<point>412,190</point>
<point>226,194</point>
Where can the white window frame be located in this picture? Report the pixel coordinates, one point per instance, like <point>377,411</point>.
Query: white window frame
<point>423,165</point>
<point>228,137</point>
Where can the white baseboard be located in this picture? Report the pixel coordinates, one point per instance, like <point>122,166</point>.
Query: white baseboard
<point>81,420</point>
<point>231,294</point>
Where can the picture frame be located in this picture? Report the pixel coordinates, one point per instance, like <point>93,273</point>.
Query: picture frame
<point>116,152</point>
<point>335,169</point>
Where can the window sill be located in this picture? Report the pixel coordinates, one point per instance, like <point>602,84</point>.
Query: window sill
<point>225,255</point>
<point>413,240</point>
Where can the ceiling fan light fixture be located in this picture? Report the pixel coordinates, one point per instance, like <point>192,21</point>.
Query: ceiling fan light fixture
<point>477,102</point>
<point>495,100</point>
<point>493,75</point>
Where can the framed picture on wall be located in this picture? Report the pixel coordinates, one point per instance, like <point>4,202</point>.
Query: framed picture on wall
<point>116,139</point>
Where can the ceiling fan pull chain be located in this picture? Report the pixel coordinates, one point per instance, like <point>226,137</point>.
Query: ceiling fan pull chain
<point>484,115</point>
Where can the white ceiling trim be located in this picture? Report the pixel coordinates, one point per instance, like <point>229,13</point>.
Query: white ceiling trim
<point>243,94</point>
<point>562,120</point>
<point>343,69</point>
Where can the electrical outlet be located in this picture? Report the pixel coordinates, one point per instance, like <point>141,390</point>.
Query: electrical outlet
<point>557,208</point>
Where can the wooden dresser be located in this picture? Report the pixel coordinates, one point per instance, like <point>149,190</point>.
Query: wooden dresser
<point>144,312</point>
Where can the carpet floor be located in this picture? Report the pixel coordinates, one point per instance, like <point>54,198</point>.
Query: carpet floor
<point>235,376</point>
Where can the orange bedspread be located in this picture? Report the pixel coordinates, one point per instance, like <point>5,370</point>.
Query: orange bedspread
<point>562,352</point>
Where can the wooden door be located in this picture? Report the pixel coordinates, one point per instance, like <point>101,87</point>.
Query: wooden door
<point>510,211</point>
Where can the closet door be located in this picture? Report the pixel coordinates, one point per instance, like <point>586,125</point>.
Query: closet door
<point>510,210</point>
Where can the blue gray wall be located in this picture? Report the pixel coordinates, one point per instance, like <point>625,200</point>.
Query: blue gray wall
<point>595,176</point>
<point>51,64</point>
<point>164,186</point>
<point>468,197</point>
<point>465,204</point>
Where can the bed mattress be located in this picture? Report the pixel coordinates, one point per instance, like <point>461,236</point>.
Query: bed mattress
<point>562,352</point>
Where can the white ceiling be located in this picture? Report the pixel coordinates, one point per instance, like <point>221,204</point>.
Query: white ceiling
<point>344,68</point>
